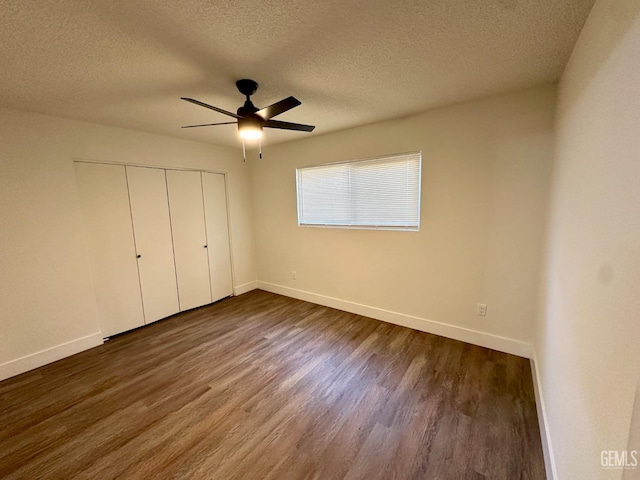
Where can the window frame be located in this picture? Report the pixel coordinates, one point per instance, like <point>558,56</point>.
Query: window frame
<point>381,226</point>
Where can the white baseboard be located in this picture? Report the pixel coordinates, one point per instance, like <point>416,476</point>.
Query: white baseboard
<point>245,287</point>
<point>50,355</point>
<point>488,340</point>
<point>549,460</point>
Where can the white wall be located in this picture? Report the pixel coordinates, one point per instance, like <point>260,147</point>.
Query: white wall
<point>486,168</point>
<point>46,293</point>
<point>588,355</point>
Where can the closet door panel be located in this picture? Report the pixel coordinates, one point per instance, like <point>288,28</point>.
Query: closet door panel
<point>107,219</point>
<point>215,206</point>
<point>152,229</point>
<point>189,238</point>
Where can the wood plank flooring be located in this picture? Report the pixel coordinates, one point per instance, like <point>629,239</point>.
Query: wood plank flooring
<point>267,387</point>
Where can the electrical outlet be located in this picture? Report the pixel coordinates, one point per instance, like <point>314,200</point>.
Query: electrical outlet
<point>481,309</point>
<point>294,275</point>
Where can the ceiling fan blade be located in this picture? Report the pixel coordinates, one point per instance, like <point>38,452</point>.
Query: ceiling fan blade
<point>288,126</point>
<point>202,104</point>
<point>278,108</point>
<point>209,124</point>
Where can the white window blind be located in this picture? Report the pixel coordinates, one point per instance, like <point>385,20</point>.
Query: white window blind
<point>381,192</point>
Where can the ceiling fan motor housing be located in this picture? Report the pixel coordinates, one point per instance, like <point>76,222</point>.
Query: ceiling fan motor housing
<point>251,122</point>
<point>247,110</point>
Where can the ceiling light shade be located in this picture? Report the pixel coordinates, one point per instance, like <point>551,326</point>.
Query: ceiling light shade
<point>250,133</point>
<point>249,128</point>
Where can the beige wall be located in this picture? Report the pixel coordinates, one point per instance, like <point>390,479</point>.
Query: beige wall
<point>46,294</point>
<point>587,349</point>
<point>486,167</point>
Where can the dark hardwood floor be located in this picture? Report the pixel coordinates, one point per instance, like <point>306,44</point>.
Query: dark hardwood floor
<point>267,387</point>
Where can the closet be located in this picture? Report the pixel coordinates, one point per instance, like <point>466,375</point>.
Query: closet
<point>158,240</point>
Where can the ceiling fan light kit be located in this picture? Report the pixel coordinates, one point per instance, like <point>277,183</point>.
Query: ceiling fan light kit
<point>252,120</point>
<point>249,129</point>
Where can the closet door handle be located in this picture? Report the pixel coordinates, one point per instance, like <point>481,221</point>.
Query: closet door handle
<point>138,256</point>
<point>205,246</point>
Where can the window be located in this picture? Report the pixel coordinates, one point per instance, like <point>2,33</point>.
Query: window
<point>380,193</point>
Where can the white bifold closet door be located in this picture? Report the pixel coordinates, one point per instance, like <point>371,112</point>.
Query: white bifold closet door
<point>215,206</point>
<point>189,238</point>
<point>152,231</point>
<point>105,206</point>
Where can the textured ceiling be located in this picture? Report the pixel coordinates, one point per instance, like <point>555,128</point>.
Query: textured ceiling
<point>350,62</point>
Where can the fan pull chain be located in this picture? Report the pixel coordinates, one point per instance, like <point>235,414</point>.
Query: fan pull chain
<point>260,147</point>
<point>244,152</point>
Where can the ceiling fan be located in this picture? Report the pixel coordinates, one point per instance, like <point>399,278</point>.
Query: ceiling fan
<point>252,120</point>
